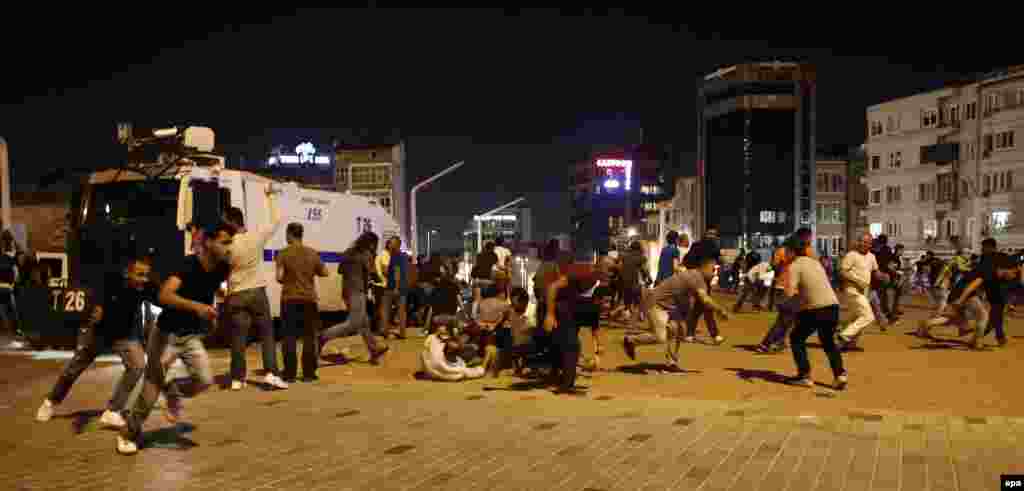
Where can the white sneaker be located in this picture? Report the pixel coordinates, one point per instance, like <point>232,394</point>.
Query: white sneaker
<point>237,385</point>
<point>112,419</point>
<point>126,447</point>
<point>690,339</point>
<point>45,411</point>
<point>275,381</point>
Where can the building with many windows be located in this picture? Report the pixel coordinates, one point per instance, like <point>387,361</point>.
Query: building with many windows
<point>756,126</point>
<point>832,205</point>
<point>941,165</point>
<point>378,172</point>
<point>614,194</point>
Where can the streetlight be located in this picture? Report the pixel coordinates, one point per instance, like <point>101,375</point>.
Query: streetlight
<point>479,222</point>
<point>5,183</point>
<point>430,233</point>
<point>412,204</point>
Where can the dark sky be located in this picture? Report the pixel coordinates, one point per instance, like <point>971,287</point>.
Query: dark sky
<point>517,95</point>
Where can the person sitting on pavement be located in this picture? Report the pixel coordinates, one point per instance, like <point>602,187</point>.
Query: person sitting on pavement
<point>685,293</point>
<point>440,360</point>
<point>520,337</point>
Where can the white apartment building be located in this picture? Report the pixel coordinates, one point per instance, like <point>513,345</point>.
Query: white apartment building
<point>377,172</point>
<point>943,165</point>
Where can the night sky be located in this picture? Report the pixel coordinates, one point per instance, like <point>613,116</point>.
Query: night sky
<point>517,95</point>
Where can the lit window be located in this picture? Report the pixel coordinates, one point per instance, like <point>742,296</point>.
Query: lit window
<point>875,229</point>
<point>1000,221</point>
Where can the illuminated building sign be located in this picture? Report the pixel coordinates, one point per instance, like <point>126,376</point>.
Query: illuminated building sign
<point>305,153</point>
<point>615,172</point>
<point>494,217</point>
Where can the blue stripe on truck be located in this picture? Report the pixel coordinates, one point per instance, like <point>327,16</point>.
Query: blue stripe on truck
<point>326,257</point>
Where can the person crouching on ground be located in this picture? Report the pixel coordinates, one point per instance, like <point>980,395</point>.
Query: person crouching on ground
<point>681,293</point>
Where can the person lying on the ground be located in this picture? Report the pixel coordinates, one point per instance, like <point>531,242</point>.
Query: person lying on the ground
<point>440,358</point>
<point>965,318</point>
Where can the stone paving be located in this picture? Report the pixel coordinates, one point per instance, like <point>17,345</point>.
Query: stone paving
<point>362,428</point>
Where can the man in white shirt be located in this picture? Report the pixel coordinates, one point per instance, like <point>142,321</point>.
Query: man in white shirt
<point>503,266</point>
<point>856,270</point>
<point>247,303</point>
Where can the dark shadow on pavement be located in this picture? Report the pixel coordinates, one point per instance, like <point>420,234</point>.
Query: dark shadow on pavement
<point>335,360</point>
<point>748,375</point>
<point>524,386</point>
<point>644,368</point>
<point>938,346</point>
<point>171,438</point>
<point>80,419</point>
<point>749,347</point>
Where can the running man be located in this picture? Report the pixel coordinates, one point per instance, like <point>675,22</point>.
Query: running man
<point>187,297</point>
<point>113,324</point>
<point>685,293</point>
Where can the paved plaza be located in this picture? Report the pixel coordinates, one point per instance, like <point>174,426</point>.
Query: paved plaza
<point>918,415</point>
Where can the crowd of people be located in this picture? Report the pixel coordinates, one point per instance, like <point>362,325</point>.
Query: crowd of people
<point>492,329</point>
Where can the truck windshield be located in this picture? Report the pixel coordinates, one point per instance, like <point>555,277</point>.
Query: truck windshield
<point>131,201</point>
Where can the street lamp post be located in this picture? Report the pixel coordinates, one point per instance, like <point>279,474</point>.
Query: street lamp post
<point>5,183</point>
<point>479,222</point>
<point>412,204</point>
<point>429,234</point>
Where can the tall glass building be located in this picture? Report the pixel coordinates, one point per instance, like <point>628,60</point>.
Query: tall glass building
<point>755,151</point>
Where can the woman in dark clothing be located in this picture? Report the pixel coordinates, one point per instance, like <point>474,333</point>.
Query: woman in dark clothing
<point>560,321</point>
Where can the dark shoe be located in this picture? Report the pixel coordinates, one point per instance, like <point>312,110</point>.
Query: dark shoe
<point>289,380</point>
<point>800,381</point>
<point>629,348</point>
<point>310,379</point>
<point>321,344</point>
<point>375,357</point>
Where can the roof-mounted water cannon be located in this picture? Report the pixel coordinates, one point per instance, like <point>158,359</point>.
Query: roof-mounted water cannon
<point>190,139</point>
<point>167,147</point>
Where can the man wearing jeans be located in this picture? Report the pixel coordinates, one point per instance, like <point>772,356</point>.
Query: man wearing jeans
<point>187,297</point>
<point>297,266</point>
<point>247,304</point>
<point>397,290</point>
<point>355,267</point>
<point>675,295</point>
<point>114,323</point>
<point>775,340</point>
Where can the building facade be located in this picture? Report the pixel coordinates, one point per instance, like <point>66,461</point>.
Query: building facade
<point>378,172</point>
<point>832,207</point>
<point>514,224</point>
<point>613,194</point>
<point>756,151</point>
<point>941,165</point>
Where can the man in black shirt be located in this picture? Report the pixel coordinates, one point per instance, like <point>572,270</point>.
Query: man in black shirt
<point>113,323</point>
<point>994,270</point>
<point>187,297</point>
<point>709,248</point>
